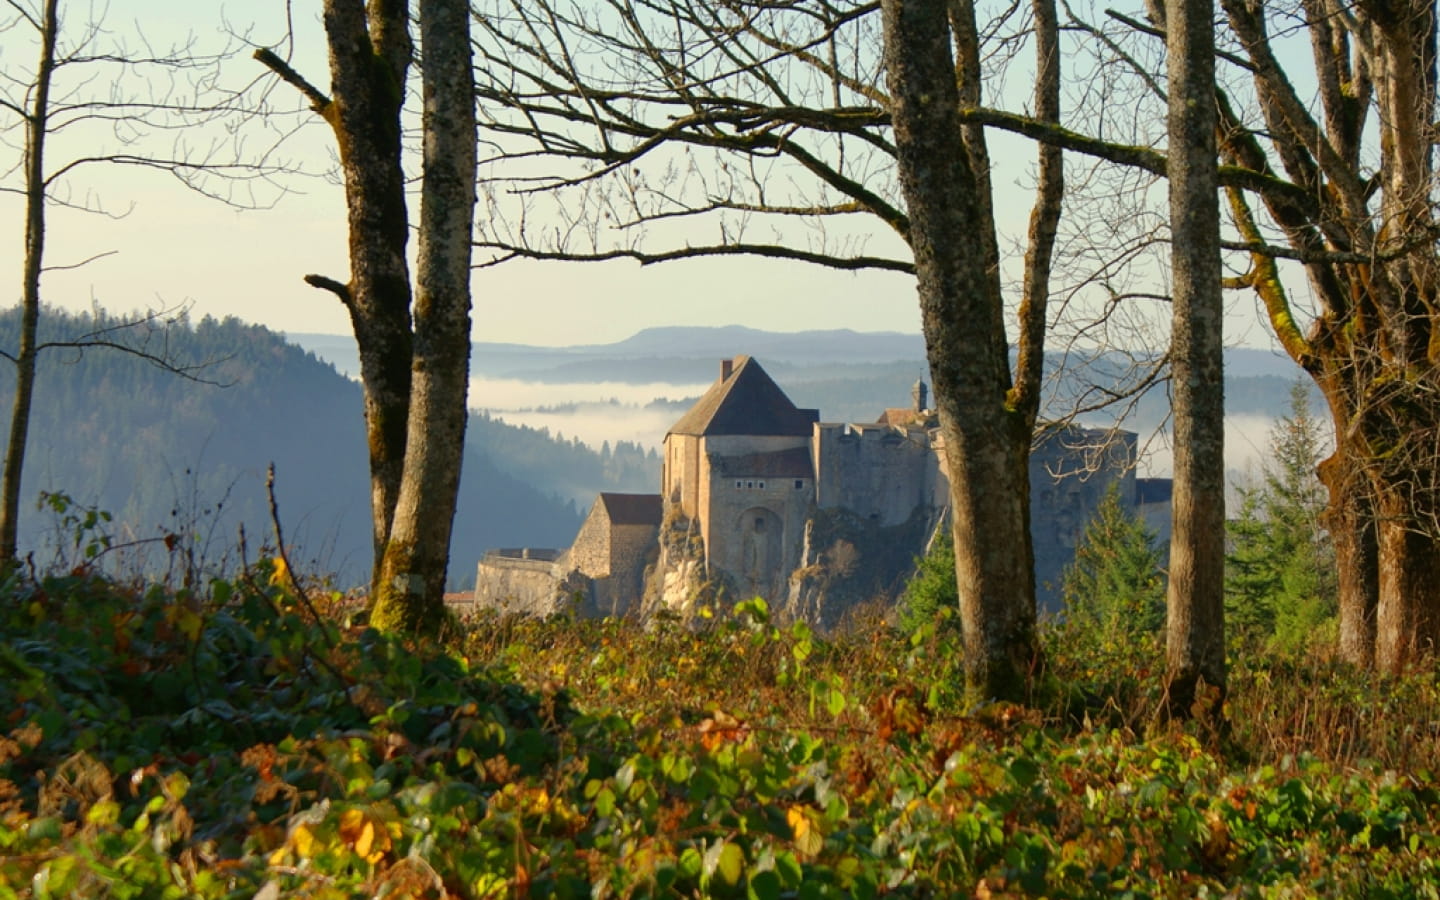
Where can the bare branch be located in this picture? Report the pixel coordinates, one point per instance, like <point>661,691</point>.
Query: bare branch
<point>337,288</point>
<point>318,100</point>
<point>772,251</point>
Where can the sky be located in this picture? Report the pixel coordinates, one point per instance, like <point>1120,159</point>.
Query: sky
<point>173,247</point>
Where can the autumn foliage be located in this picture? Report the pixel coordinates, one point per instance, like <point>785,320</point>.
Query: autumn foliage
<point>172,744</point>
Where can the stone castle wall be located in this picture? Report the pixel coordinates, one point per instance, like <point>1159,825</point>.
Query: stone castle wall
<point>633,548</point>
<point>513,583</point>
<point>591,551</point>
<point>879,472</point>
<point>757,527</point>
<point>1069,475</point>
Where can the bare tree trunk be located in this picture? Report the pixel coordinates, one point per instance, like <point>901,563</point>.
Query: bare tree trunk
<point>1350,519</point>
<point>369,58</point>
<point>986,442</point>
<point>37,127</point>
<point>413,568</point>
<point>1195,641</point>
<point>1407,623</point>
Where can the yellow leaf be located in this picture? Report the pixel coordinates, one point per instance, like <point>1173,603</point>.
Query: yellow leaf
<point>361,831</point>
<point>799,825</point>
<point>808,839</point>
<point>189,623</point>
<point>351,821</point>
<point>304,841</point>
<point>365,841</point>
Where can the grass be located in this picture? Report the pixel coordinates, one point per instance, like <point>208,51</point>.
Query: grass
<point>226,744</point>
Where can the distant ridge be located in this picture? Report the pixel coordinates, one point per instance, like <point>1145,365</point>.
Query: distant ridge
<point>688,353</point>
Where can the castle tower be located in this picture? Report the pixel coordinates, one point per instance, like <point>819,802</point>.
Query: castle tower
<point>919,393</point>
<point>738,466</point>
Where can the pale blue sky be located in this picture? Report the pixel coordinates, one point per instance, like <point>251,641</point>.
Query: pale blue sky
<point>177,247</point>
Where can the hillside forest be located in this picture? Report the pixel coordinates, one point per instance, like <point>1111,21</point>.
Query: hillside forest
<point>168,455</point>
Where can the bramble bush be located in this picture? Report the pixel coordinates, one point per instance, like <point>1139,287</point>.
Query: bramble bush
<point>229,744</point>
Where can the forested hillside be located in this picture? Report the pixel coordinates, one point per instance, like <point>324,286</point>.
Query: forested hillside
<point>165,453</point>
<point>567,468</point>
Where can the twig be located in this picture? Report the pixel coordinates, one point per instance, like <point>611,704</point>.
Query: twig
<point>285,557</point>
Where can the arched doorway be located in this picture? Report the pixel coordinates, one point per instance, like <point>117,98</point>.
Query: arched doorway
<point>762,536</point>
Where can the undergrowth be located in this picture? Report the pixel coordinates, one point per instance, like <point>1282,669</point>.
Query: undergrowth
<point>226,744</point>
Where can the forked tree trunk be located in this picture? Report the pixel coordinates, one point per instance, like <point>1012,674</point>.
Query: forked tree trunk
<point>986,442</point>
<point>415,383</point>
<point>1195,630</point>
<point>411,585</point>
<point>36,129</point>
<point>1371,261</point>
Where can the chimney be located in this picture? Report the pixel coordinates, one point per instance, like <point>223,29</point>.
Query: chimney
<point>726,367</point>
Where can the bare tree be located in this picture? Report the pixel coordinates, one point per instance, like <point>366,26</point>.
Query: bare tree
<point>414,380</point>
<point>765,129</point>
<point>1195,605</point>
<point>60,96</point>
<point>1363,226</point>
<point>1339,182</point>
<point>986,418</point>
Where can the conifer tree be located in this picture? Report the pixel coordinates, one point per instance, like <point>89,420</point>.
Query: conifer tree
<point>1281,582</point>
<point>932,591</point>
<point>1115,588</point>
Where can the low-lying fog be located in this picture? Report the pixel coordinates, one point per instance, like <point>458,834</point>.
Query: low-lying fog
<point>614,411</point>
<point>594,412</point>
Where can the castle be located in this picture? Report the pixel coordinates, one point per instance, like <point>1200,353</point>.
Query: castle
<point>761,498</point>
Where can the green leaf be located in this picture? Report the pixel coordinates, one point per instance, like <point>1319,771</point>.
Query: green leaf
<point>1025,771</point>
<point>730,862</point>
<point>764,886</point>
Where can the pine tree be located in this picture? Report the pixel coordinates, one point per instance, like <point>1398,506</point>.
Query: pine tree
<point>1281,584</point>
<point>931,592</point>
<point>1114,590</point>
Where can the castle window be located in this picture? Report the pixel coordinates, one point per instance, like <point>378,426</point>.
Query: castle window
<point>759,523</point>
<point>799,485</point>
<point>750,484</point>
<point>762,485</point>
<point>739,485</point>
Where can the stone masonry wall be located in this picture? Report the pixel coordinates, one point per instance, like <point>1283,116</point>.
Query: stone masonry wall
<point>529,586</point>
<point>591,551</point>
<point>878,472</point>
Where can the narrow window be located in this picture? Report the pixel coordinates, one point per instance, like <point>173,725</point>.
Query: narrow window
<point>799,485</point>
<point>739,485</point>
<point>759,523</point>
<point>762,485</point>
<point>750,484</point>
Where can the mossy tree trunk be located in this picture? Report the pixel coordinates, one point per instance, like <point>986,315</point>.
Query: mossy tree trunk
<point>986,419</point>
<point>36,130</point>
<point>1368,246</point>
<point>414,381</point>
<point>370,55</point>
<point>411,583</point>
<point>1195,603</point>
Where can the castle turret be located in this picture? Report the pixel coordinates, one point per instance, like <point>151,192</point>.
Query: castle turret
<point>919,394</point>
